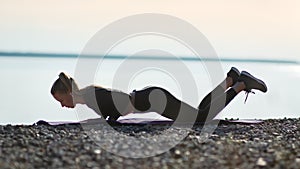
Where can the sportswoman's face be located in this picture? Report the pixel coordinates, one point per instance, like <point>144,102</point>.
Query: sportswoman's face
<point>65,99</point>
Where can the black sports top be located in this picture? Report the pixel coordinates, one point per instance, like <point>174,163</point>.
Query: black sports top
<point>107,102</point>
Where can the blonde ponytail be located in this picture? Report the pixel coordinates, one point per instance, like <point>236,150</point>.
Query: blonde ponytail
<point>66,81</point>
<point>65,84</point>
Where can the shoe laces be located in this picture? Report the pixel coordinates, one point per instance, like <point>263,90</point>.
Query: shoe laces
<point>247,93</point>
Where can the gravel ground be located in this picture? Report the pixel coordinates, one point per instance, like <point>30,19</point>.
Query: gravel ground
<point>272,144</point>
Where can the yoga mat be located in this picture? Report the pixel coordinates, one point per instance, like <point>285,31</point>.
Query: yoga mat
<point>139,121</point>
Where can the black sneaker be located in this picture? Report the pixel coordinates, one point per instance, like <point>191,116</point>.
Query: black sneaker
<point>234,73</point>
<point>252,82</point>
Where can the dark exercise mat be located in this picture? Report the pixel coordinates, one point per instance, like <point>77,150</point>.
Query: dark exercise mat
<point>141,121</point>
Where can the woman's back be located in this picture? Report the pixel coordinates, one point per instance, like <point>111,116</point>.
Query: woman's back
<point>107,102</point>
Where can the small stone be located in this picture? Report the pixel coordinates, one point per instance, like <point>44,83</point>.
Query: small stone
<point>297,160</point>
<point>256,139</point>
<point>125,146</point>
<point>97,151</point>
<point>261,162</point>
<point>177,152</point>
<point>270,150</point>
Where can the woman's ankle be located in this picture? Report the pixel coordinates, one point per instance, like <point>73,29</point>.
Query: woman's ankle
<point>239,86</point>
<point>229,82</point>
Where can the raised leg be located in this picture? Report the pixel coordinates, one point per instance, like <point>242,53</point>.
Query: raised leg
<point>231,79</point>
<point>163,102</point>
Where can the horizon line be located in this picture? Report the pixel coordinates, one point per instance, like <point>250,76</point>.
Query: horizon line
<point>118,57</point>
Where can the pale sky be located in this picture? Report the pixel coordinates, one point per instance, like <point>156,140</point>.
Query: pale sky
<point>235,28</point>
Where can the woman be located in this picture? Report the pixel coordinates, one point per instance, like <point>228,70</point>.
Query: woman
<point>112,104</point>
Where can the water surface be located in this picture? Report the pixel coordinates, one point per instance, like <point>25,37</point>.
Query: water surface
<point>26,81</point>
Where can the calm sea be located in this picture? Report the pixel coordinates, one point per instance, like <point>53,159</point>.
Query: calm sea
<point>26,81</point>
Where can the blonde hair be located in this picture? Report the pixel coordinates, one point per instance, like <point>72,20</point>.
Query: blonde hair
<point>64,84</point>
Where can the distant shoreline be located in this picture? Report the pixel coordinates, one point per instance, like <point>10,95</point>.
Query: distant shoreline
<point>165,58</point>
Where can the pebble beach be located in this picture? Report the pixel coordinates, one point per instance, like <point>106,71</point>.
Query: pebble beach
<point>274,143</point>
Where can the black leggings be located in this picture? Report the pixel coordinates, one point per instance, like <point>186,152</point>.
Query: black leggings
<point>159,100</point>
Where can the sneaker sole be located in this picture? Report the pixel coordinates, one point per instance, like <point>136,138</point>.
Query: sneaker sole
<point>262,83</point>
<point>236,71</point>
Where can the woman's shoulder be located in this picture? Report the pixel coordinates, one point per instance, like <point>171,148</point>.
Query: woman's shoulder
<point>94,88</point>
<point>90,92</point>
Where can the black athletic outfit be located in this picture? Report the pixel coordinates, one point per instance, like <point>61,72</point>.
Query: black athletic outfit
<point>163,102</point>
